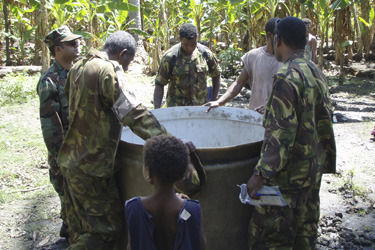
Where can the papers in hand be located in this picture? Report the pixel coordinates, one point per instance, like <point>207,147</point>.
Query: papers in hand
<point>269,196</point>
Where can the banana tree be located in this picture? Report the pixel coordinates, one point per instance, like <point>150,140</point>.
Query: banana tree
<point>353,10</point>
<point>197,11</point>
<point>22,23</point>
<point>370,30</point>
<point>324,14</point>
<point>135,17</point>
<point>7,31</point>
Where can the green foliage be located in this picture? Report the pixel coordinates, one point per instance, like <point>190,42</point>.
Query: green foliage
<point>230,60</point>
<point>17,88</point>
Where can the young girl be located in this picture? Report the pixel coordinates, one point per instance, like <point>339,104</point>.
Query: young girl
<point>164,221</point>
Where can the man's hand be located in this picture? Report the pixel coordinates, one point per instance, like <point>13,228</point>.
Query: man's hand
<point>253,185</point>
<point>211,105</point>
<point>182,196</point>
<point>260,109</point>
<point>190,145</point>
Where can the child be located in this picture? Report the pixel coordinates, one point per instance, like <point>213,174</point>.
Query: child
<point>162,220</point>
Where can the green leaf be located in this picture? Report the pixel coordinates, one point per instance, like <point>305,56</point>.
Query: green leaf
<point>85,34</point>
<point>323,4</point>
<point>29,32</point>
<point>371,15</point>
<point>122,6</point>
<point>234,2</point>
<point>340,4</point>
<point>364,21</point>
<point>346,43</point>
<point>139,32</point>
<point>61,1</point>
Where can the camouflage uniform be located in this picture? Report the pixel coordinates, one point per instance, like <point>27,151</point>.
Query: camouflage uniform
<point>97,109</point>
<point>54,121</point>
<point>298,147</point>
<point>188,81</point>
<point>54,113</point>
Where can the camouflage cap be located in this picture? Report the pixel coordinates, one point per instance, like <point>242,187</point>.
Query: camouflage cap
<point>59,35</point>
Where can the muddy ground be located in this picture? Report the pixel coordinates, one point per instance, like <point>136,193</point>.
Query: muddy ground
<point>347,198</point>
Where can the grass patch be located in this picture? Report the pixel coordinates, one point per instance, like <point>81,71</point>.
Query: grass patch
<point>18,88</point>
<point>23,155</point>
<point>347,181</point>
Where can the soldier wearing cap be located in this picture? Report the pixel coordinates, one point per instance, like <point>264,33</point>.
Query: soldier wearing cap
<point>64,46</point>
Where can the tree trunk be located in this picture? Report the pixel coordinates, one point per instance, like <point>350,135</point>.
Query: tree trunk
<point>136,16</point>
<point>43,32</point>
<point>357,29</point>
<point>249,27</point>
<point>370,38</point>
<point>303,10</point>
<point>320,48</point>
<point>338,34</point>
<point>38,36</point>
<point>350,36</point>
<point>7,39</point>
<point>365,14</point>
<point>339,39</point>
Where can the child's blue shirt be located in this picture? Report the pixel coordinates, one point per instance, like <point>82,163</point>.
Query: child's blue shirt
<point>140,226</point>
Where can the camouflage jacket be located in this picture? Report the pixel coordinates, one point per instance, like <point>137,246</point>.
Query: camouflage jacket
<point>98,107</point>
<point>53,109</point>
<point>299,142</point>
<point>187,84</point>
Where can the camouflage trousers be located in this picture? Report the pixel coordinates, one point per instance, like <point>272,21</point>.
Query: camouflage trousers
<point>291,227</point>
<point>94,211</point>
<point>56,179</point>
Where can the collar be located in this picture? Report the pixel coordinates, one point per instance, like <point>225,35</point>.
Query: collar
<point>194,55</point>
<point>99,54</point>
<point>299,54</point>
<point>58,66</point>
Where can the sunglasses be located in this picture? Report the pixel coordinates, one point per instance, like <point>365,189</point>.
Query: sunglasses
<point>74,43</point>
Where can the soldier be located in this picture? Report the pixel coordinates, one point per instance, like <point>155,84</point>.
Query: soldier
<point>260,66</point>
<point>64,46</point>
<point>298,146</point>
<point>98,107</point>
<point>185,68</point>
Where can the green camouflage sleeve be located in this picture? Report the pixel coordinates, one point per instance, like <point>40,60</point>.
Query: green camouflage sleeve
<point>213,64</point>
<point>143,123</point>
<point>280,123</point>
<point>52,128</point>
<point>109,85</point>
<point>162,76</point>
<point>128,111</point>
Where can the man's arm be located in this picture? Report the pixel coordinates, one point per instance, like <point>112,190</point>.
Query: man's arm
<point>143,123</point>
<point>231,92</point>
<point>215,87</point>
<point>158,95</point>
<point>52,128</point>
<point>314,50</point>
<point>280,125</point>
<point>161,80</point>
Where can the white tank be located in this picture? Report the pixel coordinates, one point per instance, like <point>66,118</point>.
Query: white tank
<point>228,142</point>
<point>221,127</point>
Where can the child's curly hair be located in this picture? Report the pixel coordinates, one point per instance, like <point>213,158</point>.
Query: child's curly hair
<point>166,157</point>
